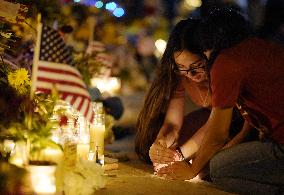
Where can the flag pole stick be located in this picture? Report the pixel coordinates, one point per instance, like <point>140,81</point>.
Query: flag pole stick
<point>92,25</point>
<point>34,70</point>
<point>36,56</point>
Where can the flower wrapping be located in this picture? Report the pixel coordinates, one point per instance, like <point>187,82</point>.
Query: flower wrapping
<point>86,178</point>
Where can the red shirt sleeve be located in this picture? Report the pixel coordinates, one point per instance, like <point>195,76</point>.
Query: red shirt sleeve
<point>226,78</point>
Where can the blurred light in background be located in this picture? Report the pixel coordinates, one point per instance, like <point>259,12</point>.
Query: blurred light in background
<point>191,4</point>
<point>111,6</point>
<point>161,46</point>
<point>90,2</point>
<point>110,85</point>
<point>118,12</point>
<point>99,4</point>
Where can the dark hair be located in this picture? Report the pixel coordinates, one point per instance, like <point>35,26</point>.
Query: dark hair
<point>165,82</point>
<point>223,28</point>
<point>66,29</point>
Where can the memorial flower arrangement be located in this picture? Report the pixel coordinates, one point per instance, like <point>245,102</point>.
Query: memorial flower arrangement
<point>24,117</point>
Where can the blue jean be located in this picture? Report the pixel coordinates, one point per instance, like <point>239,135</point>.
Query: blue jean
<point>250,168</point>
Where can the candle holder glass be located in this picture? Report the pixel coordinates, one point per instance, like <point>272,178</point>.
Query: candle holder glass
<point>97,131</point>
<point>43,178</point>
<point>7,147</point>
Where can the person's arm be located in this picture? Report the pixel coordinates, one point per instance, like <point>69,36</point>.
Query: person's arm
<point>217,133</point>
<point>173,122</point>
<point>160,151</point>
<point>215,138</point>
<point>189,148</point>
<point>240,136</point>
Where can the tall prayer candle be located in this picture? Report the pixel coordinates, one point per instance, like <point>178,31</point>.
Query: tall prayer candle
<point>97,131</point>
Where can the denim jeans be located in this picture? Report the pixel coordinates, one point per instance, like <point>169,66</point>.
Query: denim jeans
<point>250,168</point>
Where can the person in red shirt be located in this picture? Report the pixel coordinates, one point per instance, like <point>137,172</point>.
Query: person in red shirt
<point>247,72</point>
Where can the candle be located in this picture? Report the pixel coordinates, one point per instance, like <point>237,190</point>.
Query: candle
<point>20,154</point>
<point>83,151</point>
<point>43,179</point>
<point>97,133</point>
<point>110,85</point>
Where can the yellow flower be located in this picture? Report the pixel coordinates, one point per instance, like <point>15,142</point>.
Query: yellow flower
<point>20,80</point>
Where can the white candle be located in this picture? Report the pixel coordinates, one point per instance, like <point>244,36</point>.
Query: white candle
<point>97,134</point>
<point>43,179</point>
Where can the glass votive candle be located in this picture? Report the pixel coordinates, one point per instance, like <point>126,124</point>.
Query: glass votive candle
<point>20,155</point>
<point>97,131</point>
<point>43,179</point>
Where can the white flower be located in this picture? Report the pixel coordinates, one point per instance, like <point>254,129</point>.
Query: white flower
<point>84,179</point>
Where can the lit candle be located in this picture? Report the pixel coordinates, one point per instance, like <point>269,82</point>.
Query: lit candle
<point>110,85</point>
<point>97,133</point>
<point>43,179</point>
<point>20,154</point>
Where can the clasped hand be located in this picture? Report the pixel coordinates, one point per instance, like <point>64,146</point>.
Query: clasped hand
<point>175,169</point>
<point>159,153</point>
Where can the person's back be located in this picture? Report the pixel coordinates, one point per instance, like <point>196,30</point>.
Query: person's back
<point>254,71</point>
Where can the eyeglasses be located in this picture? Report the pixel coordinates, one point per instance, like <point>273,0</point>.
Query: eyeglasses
<point>192,70</point>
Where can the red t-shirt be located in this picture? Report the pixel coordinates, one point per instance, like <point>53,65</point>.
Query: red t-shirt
<point>253,70</point>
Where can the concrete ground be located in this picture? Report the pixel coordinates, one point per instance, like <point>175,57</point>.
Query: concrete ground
<point>133,177</point>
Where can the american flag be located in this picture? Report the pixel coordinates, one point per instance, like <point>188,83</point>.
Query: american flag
<point>53,69</point>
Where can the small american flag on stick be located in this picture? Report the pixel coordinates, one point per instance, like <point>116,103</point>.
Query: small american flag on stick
<point>52,60</point>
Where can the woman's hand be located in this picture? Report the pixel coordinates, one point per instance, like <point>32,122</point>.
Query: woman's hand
<point>180,170</point>
<point>159,153</point>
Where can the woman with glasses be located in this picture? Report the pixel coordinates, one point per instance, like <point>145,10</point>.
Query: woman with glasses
<point>247,72</point>
<point>163,133</point>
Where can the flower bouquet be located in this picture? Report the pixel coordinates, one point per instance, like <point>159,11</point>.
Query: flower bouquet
<point>24,117</point>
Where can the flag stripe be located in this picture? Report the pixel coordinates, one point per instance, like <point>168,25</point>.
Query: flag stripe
<point>59,71</point>
<point>63,82</point>
<point>69,98</point>
<point>64,96</point>
<point>89,113</point>
<point>64,67</point>
<point>81,104</point>
<point>84,106</point>
<point>77,102</point>
<point>61,77</point>
<point>43,90</point>
<point>64,88</point>
<point>73,100</point>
